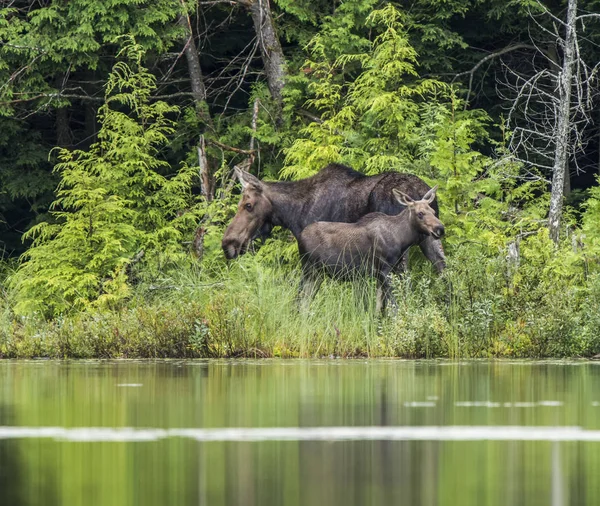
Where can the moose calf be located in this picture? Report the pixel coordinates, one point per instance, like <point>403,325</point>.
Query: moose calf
<point>372,246</point>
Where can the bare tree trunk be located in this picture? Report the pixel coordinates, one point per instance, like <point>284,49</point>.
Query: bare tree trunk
<point>270,47</point>
<point>193,61</point>
<point>207,189</point>
<point>254,124</point>
<point>552,53</point>
<point>567,185</point>
<point>198,242</point>
<point>199,94</point>
<point>206,179</point>
<point>563,124</point>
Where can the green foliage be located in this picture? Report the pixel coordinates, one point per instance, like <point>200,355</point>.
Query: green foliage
<point>51,54</point>
<point>78,28</point>
<point>374,85</point>
<point>249,310</point>
<point>590,220</point>
<point>63,37</point>
<point>115,201</point>
<point>387,119</point>
<point>368,122</point>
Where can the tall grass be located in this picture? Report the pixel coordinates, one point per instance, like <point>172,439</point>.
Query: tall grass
<point>255,310</point>
<point>249,309</point>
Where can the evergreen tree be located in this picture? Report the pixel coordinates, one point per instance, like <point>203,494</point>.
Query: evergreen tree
<point>115,203</point>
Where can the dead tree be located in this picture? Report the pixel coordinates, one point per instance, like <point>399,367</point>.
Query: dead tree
<point>563,121</point>
<point>270,47</point>
<point>552,96</point>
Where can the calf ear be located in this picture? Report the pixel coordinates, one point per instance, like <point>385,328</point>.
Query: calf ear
<point>403,198</point>
<point>247,179</point>
<point>430,195</point>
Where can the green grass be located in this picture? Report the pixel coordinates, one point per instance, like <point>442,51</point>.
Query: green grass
<point>249,310</point>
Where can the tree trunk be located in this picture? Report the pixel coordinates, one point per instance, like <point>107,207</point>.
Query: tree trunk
<point>563,124</point>
<point>206,178</point>
<point>61,125</point>
<point>199,94</point>
<point>63,132</point>
<point>191,55</point>
<point>91,127</point>
<point>270,47</point>
<point>567,184</point>
<point>91,124</point>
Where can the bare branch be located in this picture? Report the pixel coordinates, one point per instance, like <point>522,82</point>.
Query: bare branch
<point>310,116</point>
<point>586,16</point>
<point>216,2</point>
<point>231,148</point>
<point>550,15</point>
<point>486,59</point>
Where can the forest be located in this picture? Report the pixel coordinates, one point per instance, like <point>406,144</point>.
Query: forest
<point>123,121</point>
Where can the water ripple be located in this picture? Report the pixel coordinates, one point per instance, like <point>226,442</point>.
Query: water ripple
<point>375,433</point>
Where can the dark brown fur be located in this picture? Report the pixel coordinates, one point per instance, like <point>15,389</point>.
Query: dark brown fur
<point>336,193</point>
<point>371,247</point>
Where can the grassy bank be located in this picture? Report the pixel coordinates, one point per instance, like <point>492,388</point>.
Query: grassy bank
<point>474,310</point>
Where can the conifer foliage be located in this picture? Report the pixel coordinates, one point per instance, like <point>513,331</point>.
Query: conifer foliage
<point>117,203</point>
<point>113,95</point>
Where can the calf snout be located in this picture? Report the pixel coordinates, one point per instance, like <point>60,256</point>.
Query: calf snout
<point>439,231</point>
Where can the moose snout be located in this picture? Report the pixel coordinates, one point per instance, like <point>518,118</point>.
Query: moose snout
<point>231,248</point>
<point>439,231</point>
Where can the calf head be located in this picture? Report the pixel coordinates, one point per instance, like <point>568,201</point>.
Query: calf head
<point>422,217</point>
<point>253,217</point>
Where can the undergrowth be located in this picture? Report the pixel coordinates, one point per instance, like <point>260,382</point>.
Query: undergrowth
<point>250,310</point>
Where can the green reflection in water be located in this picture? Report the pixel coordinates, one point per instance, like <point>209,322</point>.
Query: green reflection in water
<point>298,394</point>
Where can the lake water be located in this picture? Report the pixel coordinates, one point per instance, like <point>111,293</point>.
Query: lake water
<point>299,433</point>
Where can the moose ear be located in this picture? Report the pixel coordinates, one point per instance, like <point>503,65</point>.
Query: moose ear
<point>247,179</point>
<point>403,198</point>
<point>430,195</point>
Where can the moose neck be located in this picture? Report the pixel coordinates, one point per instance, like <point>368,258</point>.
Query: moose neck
<point>287,204</point>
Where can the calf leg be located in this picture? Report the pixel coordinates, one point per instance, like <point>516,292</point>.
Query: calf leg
<point>384,294</point>
<point>401,268</point>
<point>365,292</point>
<point>433,250</point>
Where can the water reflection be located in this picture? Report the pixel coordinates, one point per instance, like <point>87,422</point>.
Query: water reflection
<point>10,485</point>
<point>176,452</point>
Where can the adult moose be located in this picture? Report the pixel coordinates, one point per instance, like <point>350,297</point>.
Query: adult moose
<point>336,193</point>
<point>373,246</point>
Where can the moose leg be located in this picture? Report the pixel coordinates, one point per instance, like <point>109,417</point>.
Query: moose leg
<point>433,250</point>
<point>309,286</point>
<point>384,294</point>
<point>380,306</point>
<point>401,268</point>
